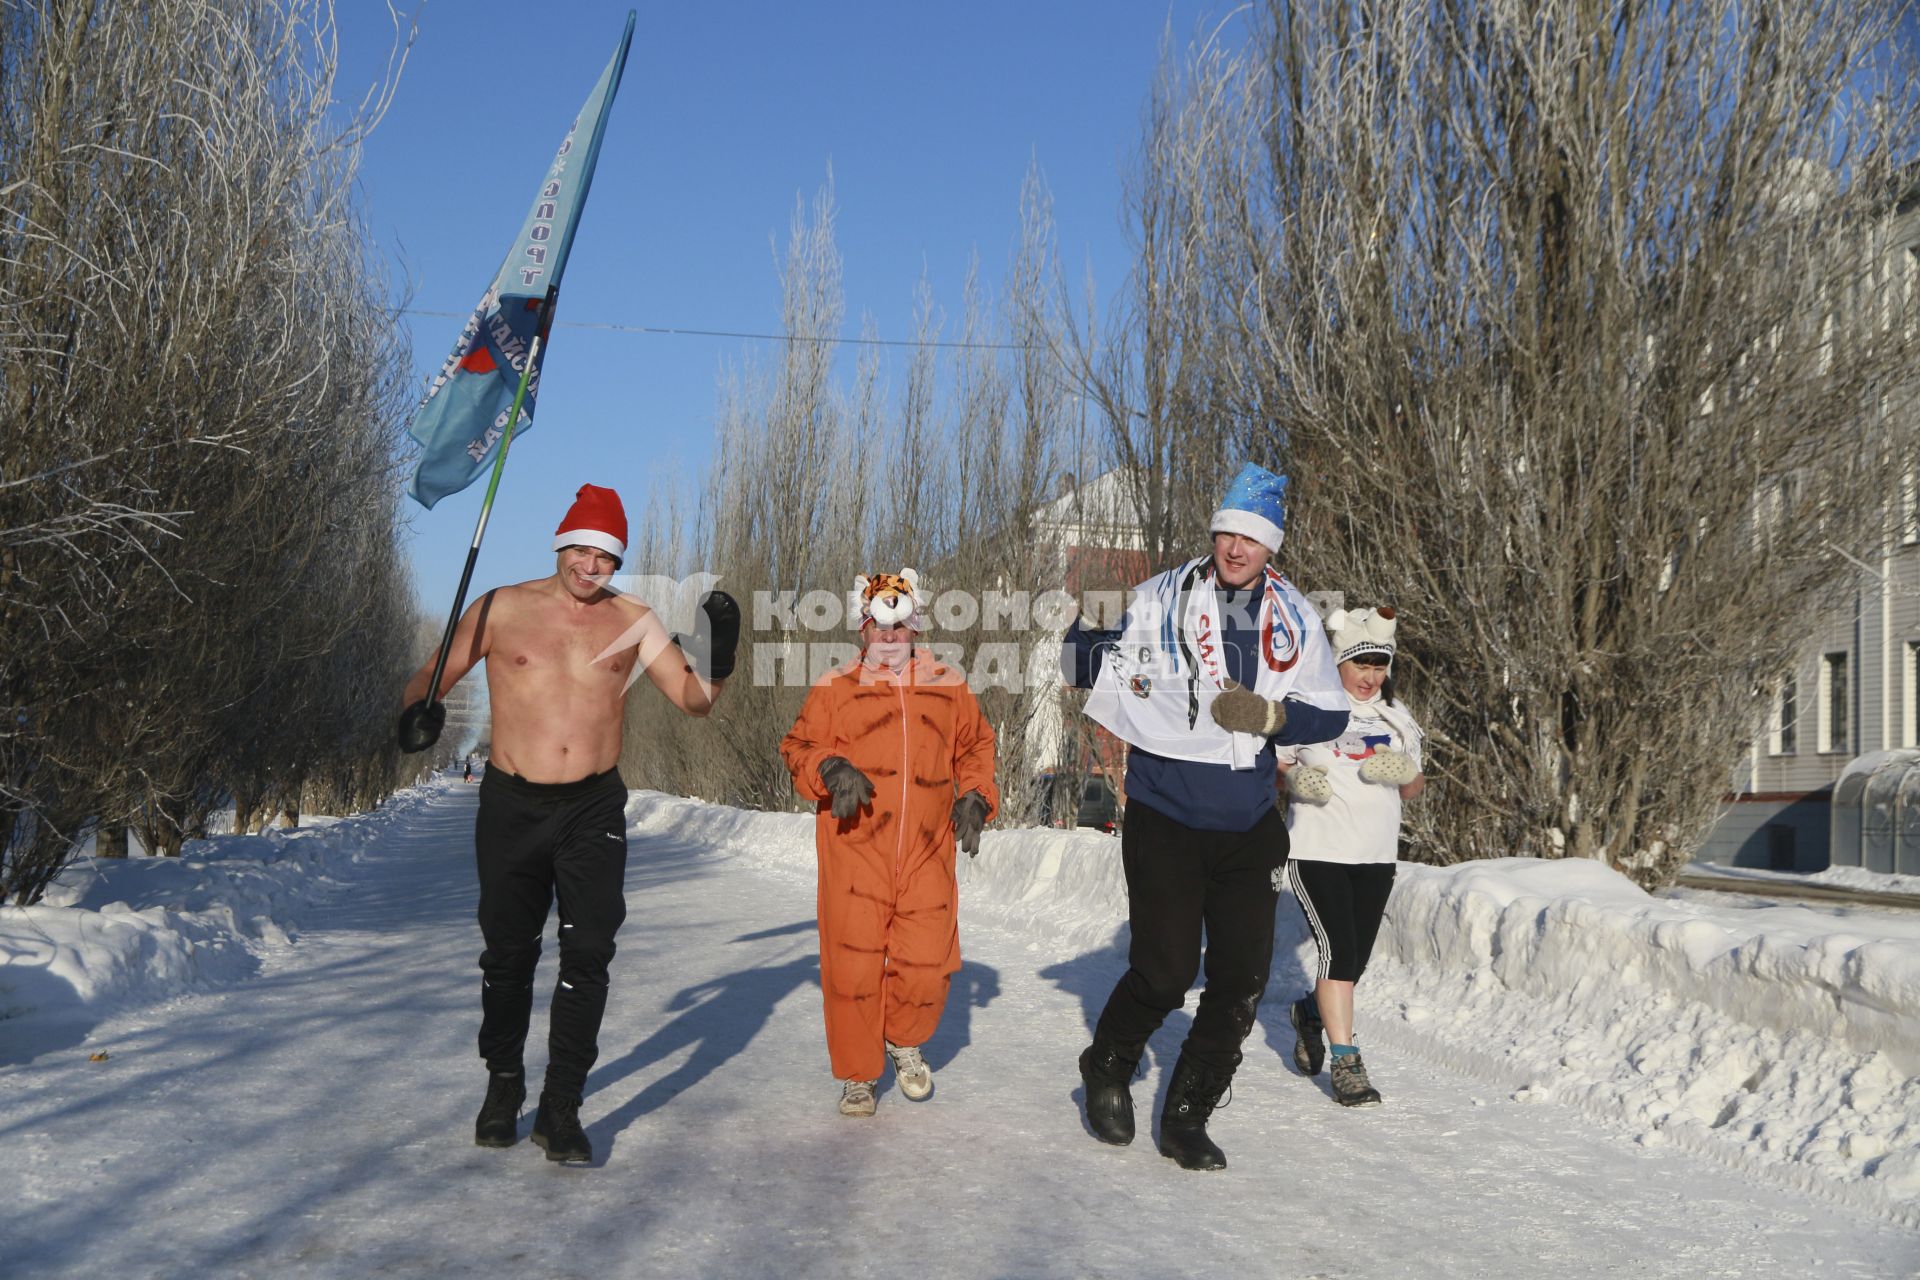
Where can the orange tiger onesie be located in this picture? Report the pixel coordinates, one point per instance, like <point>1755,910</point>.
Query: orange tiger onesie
<point>888,904</point>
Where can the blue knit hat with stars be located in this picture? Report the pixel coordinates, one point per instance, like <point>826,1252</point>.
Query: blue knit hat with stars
<point>1255,506</point>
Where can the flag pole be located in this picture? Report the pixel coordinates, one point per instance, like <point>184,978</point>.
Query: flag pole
<point>540,326</point>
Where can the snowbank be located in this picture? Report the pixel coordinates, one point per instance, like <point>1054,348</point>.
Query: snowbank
<point>138,929</point>
<point>1777,1038</point>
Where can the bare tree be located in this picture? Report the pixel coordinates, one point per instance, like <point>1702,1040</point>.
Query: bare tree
<point>201,385</point>
<point>1152,371</point>
<point>1573,323</point>
<point>812,484</point>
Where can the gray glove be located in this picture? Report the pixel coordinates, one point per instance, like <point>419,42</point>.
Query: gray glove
<point>1310,784</point>
<point>969,816</point>
<point>849,787</point>
<point>1244,711</point>
<point>1389,768</point>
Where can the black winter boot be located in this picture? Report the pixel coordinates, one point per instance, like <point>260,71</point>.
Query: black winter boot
<point>1191,1097</point>
<point>498,1124</point>
<point>1107,1069</point>
<point>1309,1036</point>
<point>556,1128</point>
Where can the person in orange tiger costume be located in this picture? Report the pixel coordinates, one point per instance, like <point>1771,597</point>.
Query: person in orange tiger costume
<point>892,749</point>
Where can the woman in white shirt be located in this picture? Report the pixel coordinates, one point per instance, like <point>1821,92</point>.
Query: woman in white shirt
<point>1343,822</point>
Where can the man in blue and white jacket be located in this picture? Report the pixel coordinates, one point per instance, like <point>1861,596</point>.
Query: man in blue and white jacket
<point>1215,663</point>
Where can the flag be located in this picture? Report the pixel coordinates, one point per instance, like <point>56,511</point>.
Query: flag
<point>460,423</point>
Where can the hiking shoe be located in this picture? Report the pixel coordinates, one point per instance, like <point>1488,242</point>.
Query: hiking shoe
<point>556,1129</point>
<point>1309,1036</point>
<point>498,1124</point>
<point>911,1072</point>
<point>1351,1087</point>
<point>856,1098</point>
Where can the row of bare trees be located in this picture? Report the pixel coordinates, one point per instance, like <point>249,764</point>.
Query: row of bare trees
<point>1586,336</point>
<point>942,463</point>
<point>202,600</point>
<point>1579,327</point>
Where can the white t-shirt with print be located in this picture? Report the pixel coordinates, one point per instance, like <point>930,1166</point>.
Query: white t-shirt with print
<point>1360,821</point>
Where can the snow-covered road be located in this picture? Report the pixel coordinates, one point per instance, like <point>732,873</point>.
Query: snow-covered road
<point>315,1120</point>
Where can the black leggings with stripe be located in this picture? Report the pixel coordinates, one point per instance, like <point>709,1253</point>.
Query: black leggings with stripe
<point>1343,903</point>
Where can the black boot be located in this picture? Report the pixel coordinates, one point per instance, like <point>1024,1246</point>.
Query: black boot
<point>498,1124</point>
<point>1107,1070</point>
<point>1309,1036</point>
<point>1191,1097</point>
<point>556,1128</point>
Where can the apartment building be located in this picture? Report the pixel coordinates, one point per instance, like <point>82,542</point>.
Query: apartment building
<point>1855,692</point>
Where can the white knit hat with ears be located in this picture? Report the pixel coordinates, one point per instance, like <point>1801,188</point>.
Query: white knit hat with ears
<point>1360,631</point>
<point>890,599</point>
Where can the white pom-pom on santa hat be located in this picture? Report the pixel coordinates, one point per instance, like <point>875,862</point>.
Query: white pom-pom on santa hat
<point>1362,631</point>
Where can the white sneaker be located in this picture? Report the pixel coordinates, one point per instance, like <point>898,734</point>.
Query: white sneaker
<point>856,1099</point>
<point>911,1072</point>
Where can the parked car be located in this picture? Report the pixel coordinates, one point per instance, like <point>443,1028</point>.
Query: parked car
<point>1098,807</point>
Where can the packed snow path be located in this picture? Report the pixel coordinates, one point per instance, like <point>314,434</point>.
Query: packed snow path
<point>315,1120</point>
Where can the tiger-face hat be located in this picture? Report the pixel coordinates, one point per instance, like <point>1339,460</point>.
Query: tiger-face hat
<point>889,599</point>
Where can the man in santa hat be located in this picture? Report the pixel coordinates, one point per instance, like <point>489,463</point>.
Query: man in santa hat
<point>560,653</point>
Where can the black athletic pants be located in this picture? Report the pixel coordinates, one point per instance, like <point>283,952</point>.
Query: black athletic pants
<point>1343,904</point>
<point>1180,881</point>
<point>534,842</point>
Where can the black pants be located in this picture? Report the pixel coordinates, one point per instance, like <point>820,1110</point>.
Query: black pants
<point>1179,881</point>
<point>535,842</point>
<point>1343,904</point>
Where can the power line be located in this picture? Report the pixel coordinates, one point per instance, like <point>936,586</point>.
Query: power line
<point>730,333</point>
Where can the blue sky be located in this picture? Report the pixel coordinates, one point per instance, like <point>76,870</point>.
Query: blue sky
<point>927,115</point>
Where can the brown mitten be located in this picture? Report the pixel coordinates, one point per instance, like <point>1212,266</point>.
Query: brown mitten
<point>1244,711</point>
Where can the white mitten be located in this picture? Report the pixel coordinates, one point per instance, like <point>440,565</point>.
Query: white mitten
<point>1389,768</point>
<point>1309,784</point>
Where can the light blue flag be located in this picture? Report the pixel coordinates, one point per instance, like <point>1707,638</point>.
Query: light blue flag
<point>461,422</point>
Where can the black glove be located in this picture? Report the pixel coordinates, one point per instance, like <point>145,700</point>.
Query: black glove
<point>715,636</point>
<point>969,816</point>
<point>420,725</point>
<point>848,786</point>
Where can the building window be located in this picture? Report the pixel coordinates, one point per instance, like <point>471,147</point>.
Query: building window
<point>1910,288</point>
<point>1786,715</point>
<point>1834,702</point>
<point>1912,734</point>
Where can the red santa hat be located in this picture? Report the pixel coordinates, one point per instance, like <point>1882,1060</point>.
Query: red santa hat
<point>596,519</point>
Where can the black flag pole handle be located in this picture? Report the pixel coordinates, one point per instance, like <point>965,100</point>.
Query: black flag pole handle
<point>420,724</point>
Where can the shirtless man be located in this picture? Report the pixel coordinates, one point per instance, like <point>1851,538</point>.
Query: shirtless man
<point>559,654</point>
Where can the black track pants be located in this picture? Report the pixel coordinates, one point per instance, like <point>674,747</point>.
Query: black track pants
<point>535,842</point>
<point>1343,904</point>
<point>1181,881</point>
